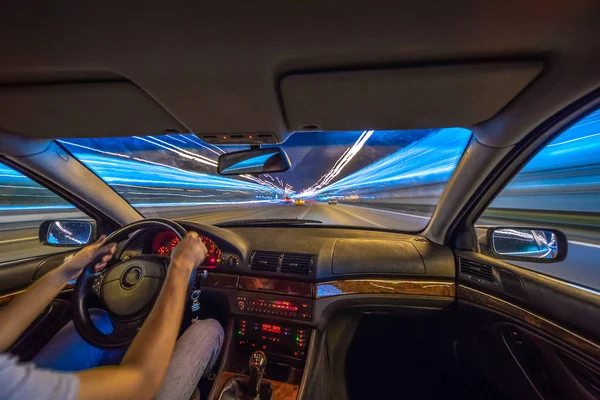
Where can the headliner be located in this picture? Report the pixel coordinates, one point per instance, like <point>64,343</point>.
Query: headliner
<point>217,68</point>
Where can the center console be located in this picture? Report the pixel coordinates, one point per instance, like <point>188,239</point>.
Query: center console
<point>266,319</point>
<point>283,339</point>
<point>275,306</point>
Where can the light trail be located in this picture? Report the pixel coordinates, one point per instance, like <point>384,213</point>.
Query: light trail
<point>163,178</point>
<point>156,141</point>
<point>207,146</point>
<point>180,154</point>
<point>109,153</point>
<point>565,175</point>
<point>195,196</point>
<point>430,160</point>
<point>346,157</point>
<point>163,144</point>
<point>203,203</point>
<point>180,150</point>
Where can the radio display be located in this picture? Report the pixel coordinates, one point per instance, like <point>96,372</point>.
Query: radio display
<point>271,328</point>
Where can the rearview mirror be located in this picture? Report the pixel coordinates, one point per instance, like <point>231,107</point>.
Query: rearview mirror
<point>528,244</point>
<point>67,233</point>
<point>254,161</point>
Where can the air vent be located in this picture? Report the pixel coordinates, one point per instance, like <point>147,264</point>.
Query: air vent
<point>476,270</point>
<point>264,260</point>
<point>293,263</point>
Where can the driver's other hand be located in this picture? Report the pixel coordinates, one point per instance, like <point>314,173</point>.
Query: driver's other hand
<point>96,252</point>
<point>189,252</point>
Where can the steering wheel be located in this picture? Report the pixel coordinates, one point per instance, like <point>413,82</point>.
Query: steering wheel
<point>127,288</point>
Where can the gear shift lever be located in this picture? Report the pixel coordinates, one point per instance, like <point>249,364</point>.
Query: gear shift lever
<point>258,362</point>
<point>239,387</point>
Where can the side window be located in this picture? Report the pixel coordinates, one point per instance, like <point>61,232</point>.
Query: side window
<point>560,189</point>
<point>24,205</point>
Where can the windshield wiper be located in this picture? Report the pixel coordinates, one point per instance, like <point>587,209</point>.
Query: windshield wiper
<point>269,222</point>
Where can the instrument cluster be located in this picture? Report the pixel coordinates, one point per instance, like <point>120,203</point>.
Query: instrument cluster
<point>164,243</point>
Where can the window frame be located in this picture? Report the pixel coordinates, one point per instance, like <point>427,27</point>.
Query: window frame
<point>104,224</point>
<point>462,234</point>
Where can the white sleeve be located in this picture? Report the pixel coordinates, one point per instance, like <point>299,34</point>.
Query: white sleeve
<point>25,381</point>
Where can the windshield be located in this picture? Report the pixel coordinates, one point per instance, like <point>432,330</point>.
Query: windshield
<point>375,179</point>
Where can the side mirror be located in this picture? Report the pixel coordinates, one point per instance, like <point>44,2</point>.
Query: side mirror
<point>253,161</point>
<point>527,244</point>
<point>67,233</point>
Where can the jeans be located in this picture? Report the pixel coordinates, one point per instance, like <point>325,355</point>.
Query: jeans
<point>196,351</point>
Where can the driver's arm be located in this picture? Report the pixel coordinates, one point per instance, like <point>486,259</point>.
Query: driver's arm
<point>26,307</point>
<point>141,373</point>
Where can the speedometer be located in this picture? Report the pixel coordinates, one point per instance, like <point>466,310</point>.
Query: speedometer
<point>164,243</point>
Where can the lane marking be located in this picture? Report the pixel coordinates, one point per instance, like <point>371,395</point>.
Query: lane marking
<point>217,212</point>
<point>389,211</point>
<point>229,215</point>
<point>24,239</point>
<point>597,246</point>
<point>361,218</point>
<point>36,227</point>
<point>303,214</point>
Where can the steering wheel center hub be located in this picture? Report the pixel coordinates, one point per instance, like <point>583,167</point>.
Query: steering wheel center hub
<point>130,286</point>
<point>131,276</point>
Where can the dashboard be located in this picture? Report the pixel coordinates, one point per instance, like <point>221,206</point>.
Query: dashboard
<point>324,253</point>
<point>277,282</point>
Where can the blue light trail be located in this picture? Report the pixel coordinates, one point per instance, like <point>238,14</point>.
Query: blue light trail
<point>428,161</point>
<point>368,167</point>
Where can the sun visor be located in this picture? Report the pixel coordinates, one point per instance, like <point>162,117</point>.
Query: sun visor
<point>116,108</point>
<point>402,98</point>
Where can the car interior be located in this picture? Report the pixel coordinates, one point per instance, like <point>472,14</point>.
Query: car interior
<point>454,309</point>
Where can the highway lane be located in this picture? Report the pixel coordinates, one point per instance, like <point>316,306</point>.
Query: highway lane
<point>339,214</point>
<point>581,261</point>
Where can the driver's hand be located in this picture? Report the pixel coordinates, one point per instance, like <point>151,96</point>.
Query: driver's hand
<point>189,252</point>
<point>97,251</point>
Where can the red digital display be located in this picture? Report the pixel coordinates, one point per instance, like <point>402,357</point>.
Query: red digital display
<point>271,328</point>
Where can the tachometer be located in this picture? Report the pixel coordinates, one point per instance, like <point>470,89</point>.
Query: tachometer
<point>164,243</point>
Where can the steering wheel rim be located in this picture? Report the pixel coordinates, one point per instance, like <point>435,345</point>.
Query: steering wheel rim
<point>141,277</point>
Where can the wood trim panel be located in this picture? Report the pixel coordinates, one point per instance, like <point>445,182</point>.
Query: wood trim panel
<point>281,390</point>
<point>579,342</point>
<point>8,297</point>
<point>224,281</point>
<point>280,286</point>
<point>385,286</point>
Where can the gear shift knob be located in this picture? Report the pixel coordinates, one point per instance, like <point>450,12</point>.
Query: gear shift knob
<point>258,360</point>
<point>257,364</point>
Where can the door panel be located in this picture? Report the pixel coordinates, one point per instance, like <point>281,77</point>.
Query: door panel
<point>531,335</point>
<point>50,321</point>
<point>15,277</point>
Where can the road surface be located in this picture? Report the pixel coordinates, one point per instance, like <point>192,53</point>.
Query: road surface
<point>339,214</point>
<point>21,241</point>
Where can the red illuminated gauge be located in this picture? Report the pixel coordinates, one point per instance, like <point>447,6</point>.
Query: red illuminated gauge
<point>164,243</point>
